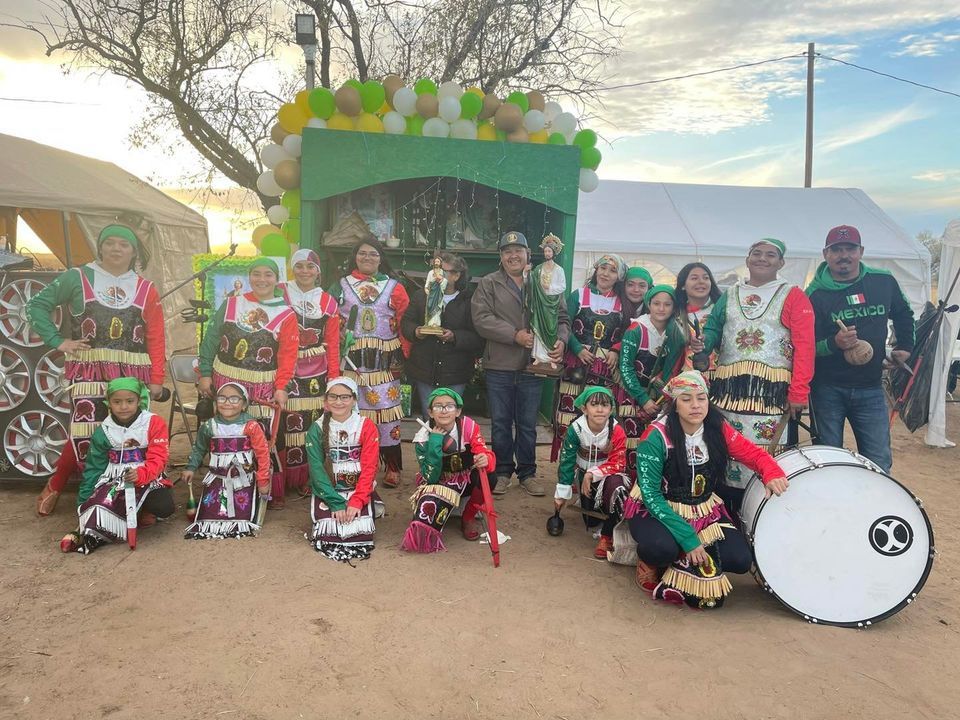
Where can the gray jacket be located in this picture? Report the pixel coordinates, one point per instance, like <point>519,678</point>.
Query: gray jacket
<point>498,314</point>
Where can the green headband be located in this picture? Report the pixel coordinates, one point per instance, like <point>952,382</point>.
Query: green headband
<point>589,392</point>
<point>120,231</point>
<point>778,244</point>
<point>448,392</point>
<point>132,385</point>
<point>639,273</point>
<point>656,290</point>
<point>264,262</point>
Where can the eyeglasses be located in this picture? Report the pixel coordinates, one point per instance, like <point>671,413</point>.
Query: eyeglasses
<point>340,398</point>
<point>370,254</point>
<point>444,408</point>
<point>229,399</point>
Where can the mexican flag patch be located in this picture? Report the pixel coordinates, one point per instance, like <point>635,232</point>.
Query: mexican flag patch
<point>858,299</point>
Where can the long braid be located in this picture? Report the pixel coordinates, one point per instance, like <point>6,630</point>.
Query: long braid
<point>327,462</point>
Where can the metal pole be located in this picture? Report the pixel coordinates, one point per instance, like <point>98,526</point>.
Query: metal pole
<point>310,55</point>
<point>808,166</point>
<point>65,217</point>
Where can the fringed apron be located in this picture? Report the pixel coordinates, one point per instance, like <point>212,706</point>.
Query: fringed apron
<point>693,499</point>
<point>112,324</point>
<point>607,492</point>
<point>350,541</point>
<point>305,404</point>
<point>433,504</point>
<point>228,503</point>
<point>376,354</point>
<point>753,369</point>
<point>598,326</point>
<point>103,515</point>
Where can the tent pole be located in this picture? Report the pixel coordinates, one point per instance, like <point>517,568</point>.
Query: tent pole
<point>65,217</point>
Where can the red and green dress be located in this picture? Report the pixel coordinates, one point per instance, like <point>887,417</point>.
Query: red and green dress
<point>121,319</point>
<point>318,360</point>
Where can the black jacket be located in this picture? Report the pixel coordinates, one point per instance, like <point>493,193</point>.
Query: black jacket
<point>434,362</point>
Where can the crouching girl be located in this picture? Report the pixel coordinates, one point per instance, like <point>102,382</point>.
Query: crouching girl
<point>594,457</point>
<point>451,453</point>
<point>237,484</point>
<point>686,540</point>
<point>343,451</point>
<point>131,447</point>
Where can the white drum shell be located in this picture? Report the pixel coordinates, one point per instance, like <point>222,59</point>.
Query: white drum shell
<point>845,545</point>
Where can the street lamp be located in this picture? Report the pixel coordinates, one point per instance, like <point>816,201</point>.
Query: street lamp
<point>306,27</point>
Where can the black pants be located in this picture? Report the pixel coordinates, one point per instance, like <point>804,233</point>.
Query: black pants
<point>657,547</point>
<point>159,501</point>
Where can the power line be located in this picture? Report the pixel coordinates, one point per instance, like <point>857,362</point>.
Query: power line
<point>51,102</point>
<point>888,75</point>
<point>705,72</point>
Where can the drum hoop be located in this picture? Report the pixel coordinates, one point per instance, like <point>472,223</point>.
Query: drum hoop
<point>911,596</point>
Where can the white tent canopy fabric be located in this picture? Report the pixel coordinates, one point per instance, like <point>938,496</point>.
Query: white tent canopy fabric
<point>663,226</point>
<point>97,193</point>
<point>949,266</point>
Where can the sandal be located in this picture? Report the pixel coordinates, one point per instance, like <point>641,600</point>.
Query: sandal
<point>647,577</point>
<point>47,500</point>
<point>470,529</point>
<point>391,479</point>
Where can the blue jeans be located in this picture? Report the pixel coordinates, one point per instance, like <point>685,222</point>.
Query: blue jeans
<point>423,391</point>
<point>865,408</point>
<point>514,399</point>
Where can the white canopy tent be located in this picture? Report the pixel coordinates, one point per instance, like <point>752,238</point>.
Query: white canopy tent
<point>947,349</point>
<point>67,199</point>
<point>663,226</point>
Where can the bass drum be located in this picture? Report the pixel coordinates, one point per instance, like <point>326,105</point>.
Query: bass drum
<point>846,545</point>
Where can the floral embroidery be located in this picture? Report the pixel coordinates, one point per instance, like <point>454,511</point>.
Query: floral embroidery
<point>242,500</point>
<point>786,348</point>
<point>750,340</point>
<point>373,397</point>
<point>393,392</point>
<point>737,425</point>
<point>764,429</point>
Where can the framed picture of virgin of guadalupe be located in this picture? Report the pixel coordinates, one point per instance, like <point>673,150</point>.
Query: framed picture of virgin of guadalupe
<point>226,280</point>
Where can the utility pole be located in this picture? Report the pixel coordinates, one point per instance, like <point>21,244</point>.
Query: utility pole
<point>808,165</point>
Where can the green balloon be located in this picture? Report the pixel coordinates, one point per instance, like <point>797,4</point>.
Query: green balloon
<point>354,83</point>
<point>274,245</point>
<point>557,139</point>
<point>372,96</point>
<point>585,139</point>
<point>519,98</point>
<point>321,102</point>
<point>501,136</point>
<point>589,158</point>
<point>291,230</point>
<point>425,85</point>
<point>291,201</point>
<point>415,125</point>
<point>470,105</point>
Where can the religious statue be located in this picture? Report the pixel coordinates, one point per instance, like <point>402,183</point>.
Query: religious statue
<point>435,286</point>
<point>547,287</point>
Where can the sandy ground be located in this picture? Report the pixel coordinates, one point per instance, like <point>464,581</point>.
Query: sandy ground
<point>266,628</point>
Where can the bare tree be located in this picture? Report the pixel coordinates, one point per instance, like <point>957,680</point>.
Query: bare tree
<point>204,62</point>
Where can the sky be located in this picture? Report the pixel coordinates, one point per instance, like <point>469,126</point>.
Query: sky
<point>898,142</point>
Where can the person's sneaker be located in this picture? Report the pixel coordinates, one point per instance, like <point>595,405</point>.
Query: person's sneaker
<point>391,479</point>
<point>471,529</point>
<point>532,487</point>
<point>503,484</point>
<point>604,545</point>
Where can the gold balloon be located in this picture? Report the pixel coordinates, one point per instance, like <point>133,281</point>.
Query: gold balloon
<point>262,231</point>
<point>536,101</point>
<point>339,121</point>
<point>287,174</point>
<point>348,101</point>
<point>540,137</point>
<point>508,117</point>
<point>277,134</point>
<point>391,83</point>
<point>490,104</point>
<point>368,122</point>
<point>476,91</point>
<point>519,135</point>
<point>428,106</point>
<point>486,131</point>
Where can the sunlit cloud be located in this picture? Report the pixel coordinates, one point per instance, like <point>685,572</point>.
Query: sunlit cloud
<point>927,45</point>
<point>938,176</point>
<point>855,133</point>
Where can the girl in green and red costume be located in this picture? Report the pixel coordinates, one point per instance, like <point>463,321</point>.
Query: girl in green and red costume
<point>593,460</point>
<point>635,285</point>
<point>131,445</point>
<point>450,451</point>
<point>252,341</point>
<point>116,331</point>
<point>686,539</point>
<point>652,352</point>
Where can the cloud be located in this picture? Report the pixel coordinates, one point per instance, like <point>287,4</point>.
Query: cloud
<point>927,45</point>
<point>938,176</point>
<point>853,134</point>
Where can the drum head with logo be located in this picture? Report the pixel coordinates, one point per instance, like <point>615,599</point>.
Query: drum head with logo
<point>845,545</point>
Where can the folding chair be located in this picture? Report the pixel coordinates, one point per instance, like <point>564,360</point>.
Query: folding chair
<point>181,370</point>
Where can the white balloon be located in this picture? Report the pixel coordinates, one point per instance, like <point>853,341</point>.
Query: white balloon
<point>317,123</point>
<point>405,101</point>
<point>565,123</point>
<point>272,154</point>
<point>394,123</point>
<point>278,214</point>
<point>436,127</point>
<point>551,110</point>
<point>292,145</point>
<point>449,89</point>
<point>449,108</point>
<point>588,180</point>
<point>464,129</point>
<point>534,121</point>
<point>267,185</point>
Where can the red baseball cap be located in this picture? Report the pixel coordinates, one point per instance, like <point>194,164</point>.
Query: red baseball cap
<point>843,234</point>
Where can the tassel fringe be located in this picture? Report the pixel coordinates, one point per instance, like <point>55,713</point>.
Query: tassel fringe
<point>369,379</point>
<point>220,529</point>
<point>328,527</point>
<point>441,491</point>
<point>251,376</point>
<point>422,538</point>
<point>387,415</point>
<point>706,588</point>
